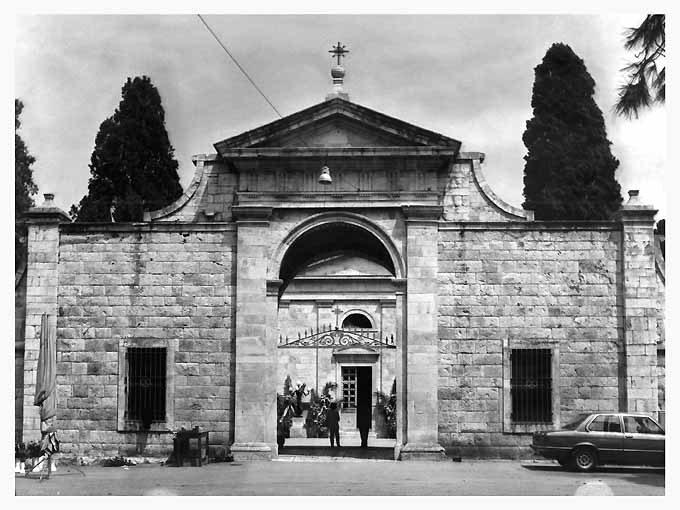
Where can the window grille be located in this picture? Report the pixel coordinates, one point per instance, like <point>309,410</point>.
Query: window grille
<point>531,385</point>
<point>146,384</point>
<point>349,387</point>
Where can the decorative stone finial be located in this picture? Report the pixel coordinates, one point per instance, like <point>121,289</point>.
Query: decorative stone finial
<point>47,212</point>
<point>338,74</point>
<point>635,211</point>
<point>633,197</point>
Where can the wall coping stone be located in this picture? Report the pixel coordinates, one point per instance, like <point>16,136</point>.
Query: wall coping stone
<point>531,226</point>
<point>494,199</point>
<point>186,196</point>
<point>175,226</point>
<point>46,215</point>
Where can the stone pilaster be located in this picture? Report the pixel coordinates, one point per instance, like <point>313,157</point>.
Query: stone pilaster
<point>421,343</point>
<point>256,340</point>
<point>41,297</point>
<point>400,364</point>
<point>638,385</point>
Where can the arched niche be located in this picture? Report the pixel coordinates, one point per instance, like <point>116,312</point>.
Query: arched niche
<point>357,319</point>
<point>341,246</point>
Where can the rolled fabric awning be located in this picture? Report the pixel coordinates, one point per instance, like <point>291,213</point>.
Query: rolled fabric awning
<point>46,377</point>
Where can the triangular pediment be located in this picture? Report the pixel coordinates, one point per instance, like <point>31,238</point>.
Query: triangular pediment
<point>355,350</point>
<point>337,123</point>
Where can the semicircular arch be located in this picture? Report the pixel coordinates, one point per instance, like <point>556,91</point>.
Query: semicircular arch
<point>323,219</point>
<point>349,315</point>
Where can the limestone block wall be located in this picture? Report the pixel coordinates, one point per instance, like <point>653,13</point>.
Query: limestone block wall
<point>41,298</point>
<point>524,286</point>
<point>135,283</point>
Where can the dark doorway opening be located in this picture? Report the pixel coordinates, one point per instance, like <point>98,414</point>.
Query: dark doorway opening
<point>364,394</point>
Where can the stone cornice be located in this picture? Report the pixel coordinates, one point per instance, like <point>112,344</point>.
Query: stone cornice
<point>467,156</point>
<point>422,212</point>
<point>273,287</point>
<point>610,226</point>
<point>399,283</point>
<point>636,215</point>
<point>46,215</point>
<point>633,212</point>
<point>251,213</point>
<point>343,152</point>
<point>174,226</point>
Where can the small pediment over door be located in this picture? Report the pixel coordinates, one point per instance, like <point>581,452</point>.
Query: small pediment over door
<point>356,354</point>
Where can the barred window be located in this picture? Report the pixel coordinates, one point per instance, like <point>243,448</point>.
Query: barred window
<point>146,384</point>
<point>531,385</point>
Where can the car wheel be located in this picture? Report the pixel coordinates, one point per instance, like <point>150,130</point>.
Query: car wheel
<point>584,459</point>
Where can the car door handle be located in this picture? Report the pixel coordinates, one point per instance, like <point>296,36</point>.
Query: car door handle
<point>628,436</point>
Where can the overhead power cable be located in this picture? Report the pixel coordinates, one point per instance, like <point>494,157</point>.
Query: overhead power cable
<point>239,65</point>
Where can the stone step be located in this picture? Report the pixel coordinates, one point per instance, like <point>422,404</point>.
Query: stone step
<point>348,441</point>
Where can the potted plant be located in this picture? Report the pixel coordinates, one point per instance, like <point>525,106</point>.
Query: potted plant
<point>285,410</point>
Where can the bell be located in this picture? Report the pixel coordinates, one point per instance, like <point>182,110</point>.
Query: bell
<point>325,177</point>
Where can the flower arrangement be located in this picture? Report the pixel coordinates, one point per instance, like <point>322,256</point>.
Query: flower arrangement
<point>27,456</point>
<point>318,409</point>
<point>23,451</point>
<point>388,406</point>
<point>285,411</point>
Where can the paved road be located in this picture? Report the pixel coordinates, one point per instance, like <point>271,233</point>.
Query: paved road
<point>384,478</point>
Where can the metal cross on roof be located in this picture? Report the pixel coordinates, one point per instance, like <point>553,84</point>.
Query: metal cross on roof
<point>339,51</point>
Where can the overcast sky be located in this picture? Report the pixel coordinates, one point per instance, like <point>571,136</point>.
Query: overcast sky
<point>465,76</point>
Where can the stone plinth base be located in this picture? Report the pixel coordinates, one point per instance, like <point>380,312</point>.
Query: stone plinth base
<point>252,451</point>
<point>422,451</point>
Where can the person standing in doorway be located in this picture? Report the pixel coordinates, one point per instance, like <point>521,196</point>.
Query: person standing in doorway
<point>364,422</point>
<point>333,423</point>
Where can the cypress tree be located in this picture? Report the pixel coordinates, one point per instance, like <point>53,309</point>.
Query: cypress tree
<point>132,167</point>
<point>24,186</point>
<point>569,170</point>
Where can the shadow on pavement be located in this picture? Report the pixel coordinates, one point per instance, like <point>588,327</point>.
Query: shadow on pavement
<point>637,470</point>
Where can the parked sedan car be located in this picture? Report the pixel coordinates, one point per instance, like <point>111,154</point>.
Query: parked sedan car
<point>604,438</point>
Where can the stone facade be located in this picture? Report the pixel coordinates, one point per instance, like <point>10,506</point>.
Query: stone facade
<point>532,285</point>
<point>258,255</point>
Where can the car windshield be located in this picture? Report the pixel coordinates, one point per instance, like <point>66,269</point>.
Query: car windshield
<point>573,424</point>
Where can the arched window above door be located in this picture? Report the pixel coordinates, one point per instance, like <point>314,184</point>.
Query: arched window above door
<point>357,321</point>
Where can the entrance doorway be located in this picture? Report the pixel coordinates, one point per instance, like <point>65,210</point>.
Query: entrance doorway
<point>339,302</point>
<point>356,408</point>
